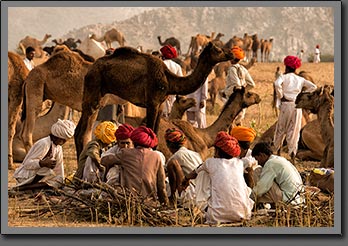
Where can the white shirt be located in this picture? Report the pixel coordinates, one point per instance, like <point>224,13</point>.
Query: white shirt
<point>237,77</point>
<point>30,64</point>
<point>290,85</point>
<point>229,200</point>
<point>201,95</point>
<point>30,166</point>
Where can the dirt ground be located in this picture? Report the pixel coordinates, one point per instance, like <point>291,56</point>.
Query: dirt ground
<point>260,116</point>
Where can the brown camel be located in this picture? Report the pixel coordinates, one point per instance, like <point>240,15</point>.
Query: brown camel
<point>200,140</point>
<point>45,82</point>
<point>33,42</point>
<point>42,129</point>
<point>142,79</point>
<point>321,102</point>
<point>172,41</point>
<point>109,37</point>
<point>17,73</point>
<point>199,42</point>
<point>256,45</point>
<point>71,43</point>
<point>247,46</point>
<point>217,40</point>
<point>234,41</point>
<point>266,47</point>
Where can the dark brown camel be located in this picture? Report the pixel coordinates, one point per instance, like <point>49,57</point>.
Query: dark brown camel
<point>172,41</point>
<point>256,45</point>
<point>142,79</point>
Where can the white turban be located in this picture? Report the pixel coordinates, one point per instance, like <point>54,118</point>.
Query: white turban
<point>64,129</point>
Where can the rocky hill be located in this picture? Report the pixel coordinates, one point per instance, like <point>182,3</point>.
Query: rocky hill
<point>292,28</point>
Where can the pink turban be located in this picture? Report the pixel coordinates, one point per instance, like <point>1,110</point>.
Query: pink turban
<point>168,51</point>
<point>227,143</point>
<point>292,61</point>
<point>144,136</point>
<point>124,131</point>
<point>175,136</point>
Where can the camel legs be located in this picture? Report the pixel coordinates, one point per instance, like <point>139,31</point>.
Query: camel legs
<point>13,114</point>
<point>175,176</point>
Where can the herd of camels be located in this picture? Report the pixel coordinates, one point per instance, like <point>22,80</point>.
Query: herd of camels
<point>92,80</point>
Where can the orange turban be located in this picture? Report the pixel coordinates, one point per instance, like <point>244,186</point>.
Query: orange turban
<point>292,61</point>
<point>168,51</point>
<point>124,131</point>
<point>174,136</point>
<point>227,143</point>
<point>105,131</point>
<point>243,133</point>
<point>238,52</point>
<point>144,136</point>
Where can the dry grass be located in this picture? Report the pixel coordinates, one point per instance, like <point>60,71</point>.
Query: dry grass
<point>27,210</point>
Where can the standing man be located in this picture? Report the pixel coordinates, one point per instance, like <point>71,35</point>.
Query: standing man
<point>169,52</point>
<point>29,56</point>
<point>237,77</point>
<point>287,87</point>
<point>317,54</point>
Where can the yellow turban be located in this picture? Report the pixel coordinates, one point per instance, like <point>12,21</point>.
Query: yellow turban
<point>105,131</point>
<point>243,133</point>
<point>238,52</point>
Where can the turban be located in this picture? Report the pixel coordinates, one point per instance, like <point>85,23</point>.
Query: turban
<point>124,131</point>
<point>227,143</point>
<point>144,136</point>
<point>174,136</point>
<point>317,46</point>
<point>292,61</point>
<point>64,129</point>
<point>238,52</point>
<point>243,133</point>
<point>105,131</point>
<point>168,51</point>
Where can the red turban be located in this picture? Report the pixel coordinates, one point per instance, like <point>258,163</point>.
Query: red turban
<point>238,52</point>
<point>144,136</point>
<point>175,136</point>
<point>317,46</point>
<point>292,61</point>
<point>227,143</point>
<point>242,133</point>
<point>124,131</point>
<point>168,51</point>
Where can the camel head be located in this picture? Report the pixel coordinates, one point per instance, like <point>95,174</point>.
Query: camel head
<point>213,54</point>
<point>185,102</point>
<point>313,100</point>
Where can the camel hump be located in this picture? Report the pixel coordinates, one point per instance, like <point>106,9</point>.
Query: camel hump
<point>125,51</point>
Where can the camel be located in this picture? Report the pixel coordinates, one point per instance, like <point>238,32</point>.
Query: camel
<point>200,140</point>
<point>17,73</point>
<point>33,42</point>
<point>321,102</point>
<point>247,46</point>
<point>217,40</point>
<point>234,41</point>
<point>46,82</point>
<point>109,37</point>
<point>42,129</point>
<point>172,41</point>
<point>142,79</point>
<point>92,48</point>
<point>199,41</point>
<point>256,45</point>
<point>70,42</point>
<point>266,46</point>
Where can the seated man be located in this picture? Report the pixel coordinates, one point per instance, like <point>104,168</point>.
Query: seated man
<point>89,166</point>
<point>122,134</point>
<point>142,168</point>
<point>181,163</point>
<point>43,167</point>
<point>229,199</point>
<point>279,179</point>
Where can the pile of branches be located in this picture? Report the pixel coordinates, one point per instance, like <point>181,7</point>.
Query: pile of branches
<point>100,203</point>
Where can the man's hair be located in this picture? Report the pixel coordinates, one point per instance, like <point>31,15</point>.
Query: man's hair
<point>244,144</point>
<point>29,49</point>
<point>262,148</point>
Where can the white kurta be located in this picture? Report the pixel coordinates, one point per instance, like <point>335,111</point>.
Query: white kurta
<point>30,167</point>
<point>316,55</point>
<point>289,121</point>
<point>30,64</point>
<point>176,69</point>
<point>229,200</point>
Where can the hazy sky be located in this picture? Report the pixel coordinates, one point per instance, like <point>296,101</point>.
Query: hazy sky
<point>57,21</point>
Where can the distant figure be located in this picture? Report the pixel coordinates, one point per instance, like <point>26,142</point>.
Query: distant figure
<point>301,54</point>
<point>29,55</point>
<point>316,54</point>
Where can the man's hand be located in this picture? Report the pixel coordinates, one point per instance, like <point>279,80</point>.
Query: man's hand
<point>48,162</point>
